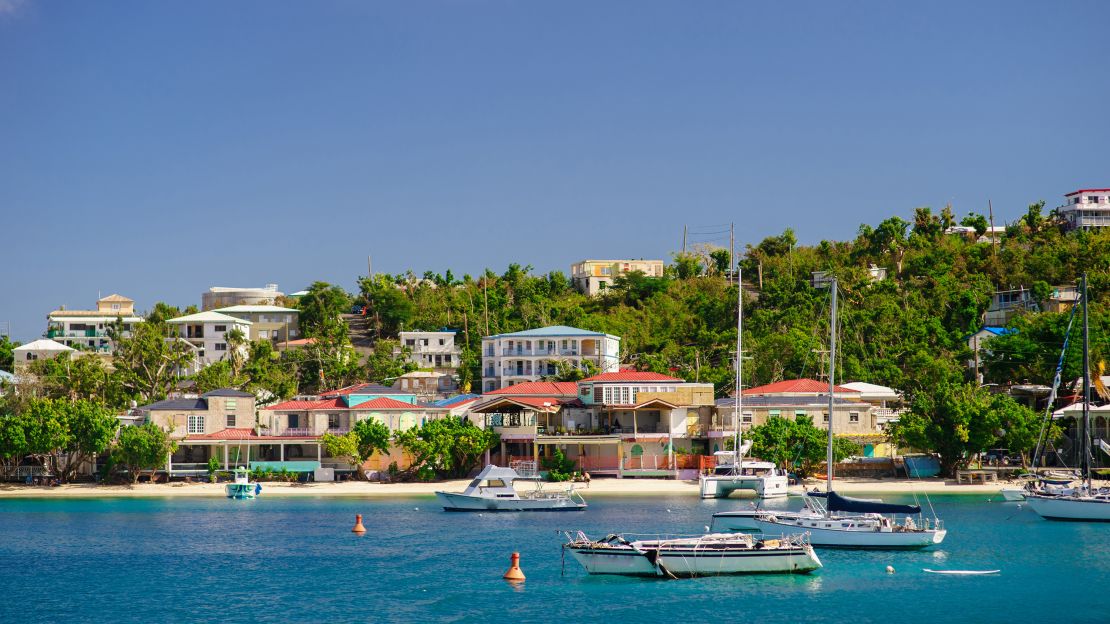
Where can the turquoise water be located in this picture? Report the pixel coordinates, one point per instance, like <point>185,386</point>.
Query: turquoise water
<point>294,560</point>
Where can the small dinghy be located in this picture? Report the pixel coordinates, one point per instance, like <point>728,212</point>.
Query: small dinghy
<point>962,572</point>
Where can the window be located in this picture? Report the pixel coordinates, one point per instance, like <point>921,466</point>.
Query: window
<point>585,391</point>
<point>221,346</point>
<point>496,420</point>
<point>220,328</point>
<point>824,417</point>
<point>746,417</point>
<point>231,420</point>
<point>423,342</point>
<point>853,417</point>
<point>514,420</point>
<point>410,342</point>
<point>774,413</point>
<point>264,334</point>
<point>293,420</point>
<point>115,306</point>
<point>196,424</point>
<point>231,404</point>
<point>32,356</point>
<point>607,396</point>
<point>798,413</point>
<point>442,342</point>
<point>333,421</point>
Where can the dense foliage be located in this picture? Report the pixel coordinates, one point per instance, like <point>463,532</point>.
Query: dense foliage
<point>448,447</point>
<point>797,444</point>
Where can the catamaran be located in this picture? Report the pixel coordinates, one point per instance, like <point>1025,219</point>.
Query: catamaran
<point>1083,503</point>
<point>763,478</point>
<point>492,490</point>
<point>702,555</point>
<point>841,522</point>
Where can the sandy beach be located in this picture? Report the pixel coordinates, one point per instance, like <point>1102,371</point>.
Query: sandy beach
<point>607,487</point>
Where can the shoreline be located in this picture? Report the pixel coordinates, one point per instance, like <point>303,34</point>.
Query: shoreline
<point>607,487</point>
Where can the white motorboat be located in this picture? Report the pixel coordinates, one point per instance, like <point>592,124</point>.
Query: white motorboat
<point>705,555</point>
<point>731,472</point>
<point>242,488</point>
<point>493,490</point>
<point>842,522</point>
<point>1013,494</point>
<point>1083,503</point>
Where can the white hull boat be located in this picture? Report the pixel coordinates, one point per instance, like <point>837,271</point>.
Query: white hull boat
<point>706,555</point>
<point>242,488</point>
<point>832,531</point>
<point>1080,508</point>
<point>492,490</point>
<point>764,486</point>
<point>1013,494</point>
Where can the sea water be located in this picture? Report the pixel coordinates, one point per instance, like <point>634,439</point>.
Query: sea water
<point>295,560</point>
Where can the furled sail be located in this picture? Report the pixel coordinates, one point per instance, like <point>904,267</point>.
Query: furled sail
<point>856,505</point>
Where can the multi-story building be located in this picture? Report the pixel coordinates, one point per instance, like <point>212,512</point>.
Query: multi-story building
<point>528,355</point>
<point>594,276</point>
<point>227,296</point>
<point>430,349</point>
<point>88,329</point>
<point>207,333</point>
<point>268,322</point>
<point>1086,208</point>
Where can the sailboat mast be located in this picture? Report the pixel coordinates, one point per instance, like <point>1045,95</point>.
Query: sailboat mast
<point>738,465</point>
<point>832,387</point>
<point>1086,391</point>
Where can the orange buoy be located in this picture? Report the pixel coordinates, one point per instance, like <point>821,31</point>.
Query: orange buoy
<point>358,525</point>
<point>514,573</point>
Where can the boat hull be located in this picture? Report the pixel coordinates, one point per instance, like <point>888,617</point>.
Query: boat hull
<point>627,562</point>
<point>770,486</point>
<point>241,491</point>
<point>827,533</point>
<point>1013,494</point>
<point>1070,508</point>
<point>452,501</point>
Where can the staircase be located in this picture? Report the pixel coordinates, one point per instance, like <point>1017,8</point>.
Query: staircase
<point>360,330</point>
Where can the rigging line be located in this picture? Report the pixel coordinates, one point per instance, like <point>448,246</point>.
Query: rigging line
<point>1055,386</point>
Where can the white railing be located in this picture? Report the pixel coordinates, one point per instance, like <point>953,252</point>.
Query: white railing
<point>524,468</point>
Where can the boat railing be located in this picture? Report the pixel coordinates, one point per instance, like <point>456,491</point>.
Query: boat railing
<point>524,468</point>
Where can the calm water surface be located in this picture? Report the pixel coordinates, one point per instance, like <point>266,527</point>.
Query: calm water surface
<point>294,560</point>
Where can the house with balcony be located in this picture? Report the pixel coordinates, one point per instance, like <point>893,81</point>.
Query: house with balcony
<point>430,350</point>
<point>595,276</point>
<point>1086,209</point>
<point>337,411</point>
<point>624,423</point>
<point>87,330</point>
<point>853,417</point>
<point>206,333</point>
<point>427,385</point>
<point>267,322</point>
<point>532,354</point>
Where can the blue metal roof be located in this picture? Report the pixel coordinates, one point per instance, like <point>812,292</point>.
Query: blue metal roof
<point>450,401</point>
<point>177,404</point>
<point>552,330</point>
<point>1000,331</point>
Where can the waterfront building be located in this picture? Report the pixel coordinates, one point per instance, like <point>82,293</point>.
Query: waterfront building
<point>595,276</point>
<point>518,357</point>
<point>227,296</point>
<point>1086,209</point>
<point>88,329</point>
<point>267,322</point>
<point>206,333</point>
<point>427,385</point>
<point>434,350</point>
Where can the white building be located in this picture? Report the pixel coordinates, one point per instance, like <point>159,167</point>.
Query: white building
<point>1086,208</point>
<point>594,276</point>
<point>88,329</point>
<point>431,349</point>
<point>207,333</point>
<point>226,296</point>
<point>44,349</point>
<point>509,359</point>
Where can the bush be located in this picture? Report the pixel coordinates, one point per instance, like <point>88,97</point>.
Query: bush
<point>558,467</point>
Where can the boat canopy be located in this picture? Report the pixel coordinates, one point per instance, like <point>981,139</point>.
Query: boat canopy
<point>856,505</point>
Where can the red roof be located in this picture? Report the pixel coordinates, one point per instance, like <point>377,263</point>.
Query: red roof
<point>226,434</point>
<point>796,386</point>
<point>631,375</point>
<point>1087,191</point>
<point>553,403</point>
<point>564,388</point>
<point>384,403</point>
<point>308,405</point>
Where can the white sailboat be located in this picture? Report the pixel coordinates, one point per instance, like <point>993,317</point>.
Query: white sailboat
<point>859,524</point>
<point>763,478</point>
<point>1083,503</point>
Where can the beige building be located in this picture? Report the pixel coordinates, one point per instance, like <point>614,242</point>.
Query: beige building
<point>225,296</point>
<point>88,329</point>
<point>268,322</point>
<point>207,414</point>
<point>594,276</point>
<point>44,349</point>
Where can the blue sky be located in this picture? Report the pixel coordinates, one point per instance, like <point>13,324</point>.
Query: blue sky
<point>155,149</point>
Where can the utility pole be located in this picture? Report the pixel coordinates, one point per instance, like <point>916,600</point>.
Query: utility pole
<point>994,240</point>
<point>485,296</point>
<point>732,250</point>
<point>683,238</point>
<point>369,268</point>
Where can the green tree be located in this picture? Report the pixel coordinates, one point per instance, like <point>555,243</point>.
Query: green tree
<point>321,308</point>
<point>76,376</point>
<point>217,375</point>
<point>143,447</point>
<point>358,445</point>
<point>7,360</point>
<point>450,446</point>
<point>13,442</point>
<point>957,421</point>
<point>64,434</point>
<point>146,363</point>
<point>977,221</point>
<point>382,366</point>
<point>344,447</point>
<point>797,444</point>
